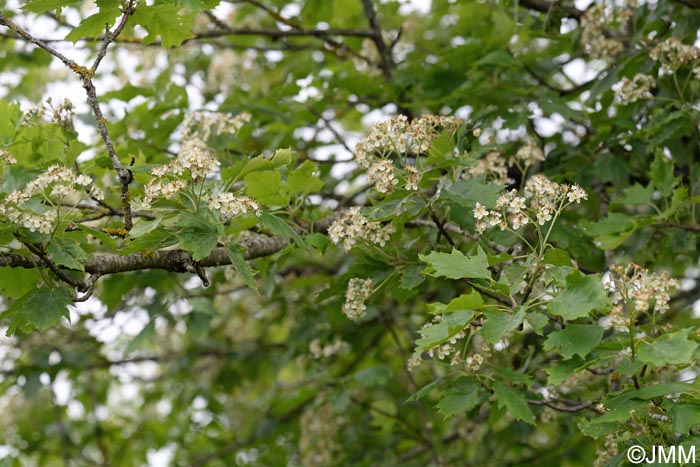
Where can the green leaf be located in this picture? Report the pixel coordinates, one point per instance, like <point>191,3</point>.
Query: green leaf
<point>95,25</point>
<point>636,195</point>
<point>650,392</point>
<point>281,158</point>
<point>105,239</point>
<point>318,241</point>
<point>559,373</point>
<point>455,402</point>
<point>470,301</point>
<point>684,417</point>
<point>279,227</point>
<point>538,321</point>
<point>424,391</point>
<point>582,295</point>
<point>456,265</point>
<point>575,339</point>
<point>411,277</point>
<point>266,187</point>
<point>500,322</point>
<point>236,253</point>
<point>670,349</point>
<point>164,21</point>
<point>304,179</point>
<point>468,192</point>
<point>40,309</point>
<point>15,282</point>
<point>41,6</point>
<point>373,376</point>
<point>197,235</point>
<point>513,402</point>
<point>440,333</point>
<point>661,174</point>
<point>67,253</point>
<point>557,257</point>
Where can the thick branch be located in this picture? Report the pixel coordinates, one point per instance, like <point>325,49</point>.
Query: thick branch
<point>544,6</point>
<point>169,260</point>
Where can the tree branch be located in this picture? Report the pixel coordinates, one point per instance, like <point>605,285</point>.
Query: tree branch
<point>544,6</point>
<point>387,61</point>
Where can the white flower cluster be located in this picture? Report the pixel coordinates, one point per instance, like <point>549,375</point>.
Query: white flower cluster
<point>230,205</point>
<point>357,292</point>
<point>61,114</point>
<point>166,182</point>
<point>57,182</point>
<point>397,135</point>
<point>673,54</point>
<point>353,226</point>
<point>636,287</point>
<point>598,23</point>
<point>198,127</point>
<point>320,427</point>
<point>319,351</point>
<point>527,154</point>
<point>492,166</point>
<point>631,90</point>
<point>381,175</point>
<point>545,199</point>
<point>6,157</point>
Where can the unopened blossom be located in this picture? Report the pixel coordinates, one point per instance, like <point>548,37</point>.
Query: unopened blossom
<point>353,226</point>
<point>381,175</point>
<point>357,292</point>
<point>230,205</point>
<point>631,90</point>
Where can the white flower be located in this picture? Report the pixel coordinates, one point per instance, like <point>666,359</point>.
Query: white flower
<point>474,362</point>
<point>480,211</point>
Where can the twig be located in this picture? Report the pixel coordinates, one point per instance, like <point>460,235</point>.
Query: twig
<point>44,258</point>
<point>562,408</point>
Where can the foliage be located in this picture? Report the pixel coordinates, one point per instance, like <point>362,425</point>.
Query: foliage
<point>346,232</point>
